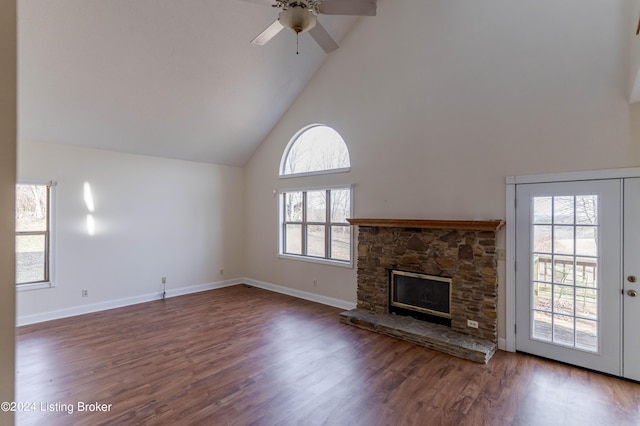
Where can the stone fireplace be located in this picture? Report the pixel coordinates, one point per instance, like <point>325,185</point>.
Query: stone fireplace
<point>462,253</point>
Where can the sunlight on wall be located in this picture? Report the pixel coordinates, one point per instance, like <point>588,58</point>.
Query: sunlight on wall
<point>88,201</point>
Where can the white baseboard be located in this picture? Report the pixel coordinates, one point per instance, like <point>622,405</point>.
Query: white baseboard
<point>118,303</point>
<point>324,300</point>
<point>502,344</point>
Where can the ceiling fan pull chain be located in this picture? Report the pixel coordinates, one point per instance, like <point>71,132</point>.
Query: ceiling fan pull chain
<point>297,38</point>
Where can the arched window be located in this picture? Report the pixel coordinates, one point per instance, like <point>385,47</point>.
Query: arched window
<point>315,149</point>
<point>313,221</point>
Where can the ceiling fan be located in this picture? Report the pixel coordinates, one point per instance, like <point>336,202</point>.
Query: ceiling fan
<point>302,15</point>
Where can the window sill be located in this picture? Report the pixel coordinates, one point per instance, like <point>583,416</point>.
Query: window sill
<point>34,286</point>
<point>330,262</point>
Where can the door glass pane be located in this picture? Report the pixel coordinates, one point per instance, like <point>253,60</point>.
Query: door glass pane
<point>587,240</point>
<point>563,239</point>
<point>541,325</point>
<point>564,279</point>
<point>563,331</point>
<point>563,210</point>
<point>587,303</point>
<point>293,239</point>
<point>563,299</point>
<point>542,296</point>
<point>542,209</point>
<point>30,258</point>
<point>587,335</point>
<point>587,209</point>
<point>315,240</point>
<point>542,238</point>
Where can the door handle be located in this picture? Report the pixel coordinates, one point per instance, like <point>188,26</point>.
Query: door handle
<point>632,293</point>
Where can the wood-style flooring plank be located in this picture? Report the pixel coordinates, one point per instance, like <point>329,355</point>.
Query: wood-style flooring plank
<point>246,356</point>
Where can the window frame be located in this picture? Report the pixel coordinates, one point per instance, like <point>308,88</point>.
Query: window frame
<point>50,237</point>
<point>304,223</point>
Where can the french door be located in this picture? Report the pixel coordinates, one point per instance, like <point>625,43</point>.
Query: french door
<point>569,273</point>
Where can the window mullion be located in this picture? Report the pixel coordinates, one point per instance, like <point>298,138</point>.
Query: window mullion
<point>305,225</point>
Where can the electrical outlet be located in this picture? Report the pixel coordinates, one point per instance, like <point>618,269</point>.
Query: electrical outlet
<point>315,283</point>
<point>221,271</point>
<point>164,280</point>
<point>472,324</point>
<point>85,293</point>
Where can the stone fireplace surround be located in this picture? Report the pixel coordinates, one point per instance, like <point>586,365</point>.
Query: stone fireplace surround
<point>462,250</point>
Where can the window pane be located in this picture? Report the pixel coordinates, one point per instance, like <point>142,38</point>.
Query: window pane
<point>316,206</point>
<point>293,239</point>
<point>340,205</point>
<point>315,240</point>
<point>341,242</point>
<point>293,207</point>
<point>315,149</point>
<point>30,258</point>
<point>31,208</point>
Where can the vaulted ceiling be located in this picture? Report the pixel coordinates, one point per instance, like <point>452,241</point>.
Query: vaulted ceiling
<point>168,78</point>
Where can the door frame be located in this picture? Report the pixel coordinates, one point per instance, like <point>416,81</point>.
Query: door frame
<point>509,343</point>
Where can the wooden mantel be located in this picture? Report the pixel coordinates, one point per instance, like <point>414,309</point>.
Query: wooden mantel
<point>473,225</point>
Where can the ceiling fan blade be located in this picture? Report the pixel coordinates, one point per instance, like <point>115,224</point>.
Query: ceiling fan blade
<point>322,37</point>
<point>263,2</point>
<point>348,7</point>
<point>271,31</point>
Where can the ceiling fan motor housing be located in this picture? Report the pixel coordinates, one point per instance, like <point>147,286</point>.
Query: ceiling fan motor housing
<point>298,17</point>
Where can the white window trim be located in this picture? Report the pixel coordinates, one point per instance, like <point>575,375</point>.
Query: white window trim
<point>316,173</point>
<point>281,255</point>
<point>52,236</point>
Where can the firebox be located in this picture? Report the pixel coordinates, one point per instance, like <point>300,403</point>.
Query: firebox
<point>421,296</point>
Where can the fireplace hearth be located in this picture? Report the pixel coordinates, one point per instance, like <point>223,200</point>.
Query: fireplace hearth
<point>462,253</point>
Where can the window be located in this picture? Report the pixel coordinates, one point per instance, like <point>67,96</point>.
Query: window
<point>34,236</point>
<point>313,221</point>
<point>315,149</point>
<point>314,224</point>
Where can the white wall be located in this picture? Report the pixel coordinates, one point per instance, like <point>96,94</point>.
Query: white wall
<point>438,102</point>
<point>154,217</point>
<point>7,205</point>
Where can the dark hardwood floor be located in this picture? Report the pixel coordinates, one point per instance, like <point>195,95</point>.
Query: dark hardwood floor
<point>238,356</point>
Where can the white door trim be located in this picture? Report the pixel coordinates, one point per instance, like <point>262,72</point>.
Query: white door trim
<point>511,182</point>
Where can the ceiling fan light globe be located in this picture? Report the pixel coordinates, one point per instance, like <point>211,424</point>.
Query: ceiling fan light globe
<point>297,19</point>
